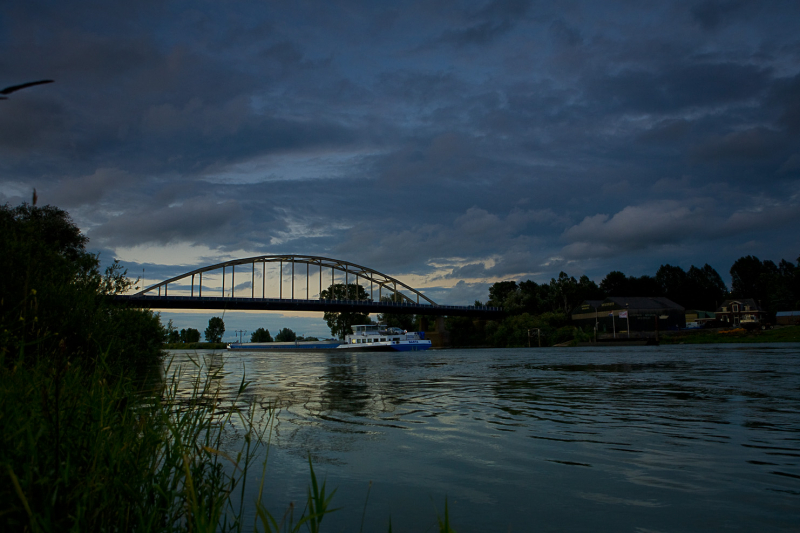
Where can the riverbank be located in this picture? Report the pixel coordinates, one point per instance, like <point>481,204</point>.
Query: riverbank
<point>738,335</point>
<point>195,346</point>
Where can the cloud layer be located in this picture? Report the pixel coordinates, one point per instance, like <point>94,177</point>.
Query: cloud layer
<point>455,143</point>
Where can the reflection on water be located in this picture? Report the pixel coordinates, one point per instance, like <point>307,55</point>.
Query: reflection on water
<point>628,439</point>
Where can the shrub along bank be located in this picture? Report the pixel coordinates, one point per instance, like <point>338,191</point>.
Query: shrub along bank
<point>777,334</point>
<point>82,446</point>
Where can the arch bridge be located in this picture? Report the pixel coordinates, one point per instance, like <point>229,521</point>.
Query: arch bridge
<point>186,291</point>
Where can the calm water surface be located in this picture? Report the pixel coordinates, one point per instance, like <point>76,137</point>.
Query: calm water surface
<point>647,439</point>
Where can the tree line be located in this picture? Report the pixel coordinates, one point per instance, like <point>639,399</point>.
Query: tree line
<point>541,311</point>
<point>775,286</point>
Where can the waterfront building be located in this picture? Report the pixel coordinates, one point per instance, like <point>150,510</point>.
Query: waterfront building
<point>740,311</point>
<point>641,314</point>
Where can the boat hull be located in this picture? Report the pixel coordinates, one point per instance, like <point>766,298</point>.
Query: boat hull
<point>399,346</point>
<point>303,346</point>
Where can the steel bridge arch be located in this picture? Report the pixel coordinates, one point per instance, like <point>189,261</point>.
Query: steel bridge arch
<point>348,268</point>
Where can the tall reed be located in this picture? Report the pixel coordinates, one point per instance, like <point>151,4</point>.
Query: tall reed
<point>90,450</point>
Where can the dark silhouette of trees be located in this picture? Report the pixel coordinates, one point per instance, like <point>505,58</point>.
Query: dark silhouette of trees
<point>618,284</point>
<point>261,335</point>
<point>340,323</point>
<point>774,287</point>
<point>286,335</point>
<point>699,288</point>
<point>406,321</point>
<point>189,335</point>
<point>215,329</point>
<point>54,299</point>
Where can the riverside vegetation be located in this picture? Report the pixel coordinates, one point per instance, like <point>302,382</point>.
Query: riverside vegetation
<point>544,309</point>
<point>89,441</point>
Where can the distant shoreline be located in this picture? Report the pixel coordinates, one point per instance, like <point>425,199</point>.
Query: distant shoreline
<point>777,334</point>
<point>195,346</point>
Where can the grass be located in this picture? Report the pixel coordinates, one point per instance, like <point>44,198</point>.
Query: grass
<point>90,450</point>
<point>738,335</point>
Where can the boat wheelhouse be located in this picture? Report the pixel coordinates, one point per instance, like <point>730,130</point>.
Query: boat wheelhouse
<point>379,337</point>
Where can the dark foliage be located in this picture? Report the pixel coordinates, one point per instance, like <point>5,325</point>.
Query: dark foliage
<point>340,323</point>
<point>53,298</point>
<point>405,321</point>
<point>189,335</point>
<point>699,288</point>
<point>774,287</point>
<point>261,335</point>
<point>618,284</point>
<point>286,335</point>
<point>215,329</point>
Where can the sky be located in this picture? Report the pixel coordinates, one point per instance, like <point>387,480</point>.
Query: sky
<point>447,144</point>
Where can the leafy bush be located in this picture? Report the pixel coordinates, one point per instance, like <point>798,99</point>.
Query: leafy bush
<point>54,299</point>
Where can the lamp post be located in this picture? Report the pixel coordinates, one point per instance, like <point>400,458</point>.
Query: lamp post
<point>613,323</point>
<point>627,321</point>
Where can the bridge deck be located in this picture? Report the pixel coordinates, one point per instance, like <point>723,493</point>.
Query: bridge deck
<point>284,304</point>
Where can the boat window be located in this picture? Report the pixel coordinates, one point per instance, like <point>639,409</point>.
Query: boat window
<point>383,339</point>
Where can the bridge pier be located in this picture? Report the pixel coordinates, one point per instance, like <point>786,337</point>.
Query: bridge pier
<point>438,335</point>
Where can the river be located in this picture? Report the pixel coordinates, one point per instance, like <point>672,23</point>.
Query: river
<point>633,439</point>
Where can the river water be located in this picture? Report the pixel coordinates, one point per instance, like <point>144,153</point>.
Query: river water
<point>640,439</point>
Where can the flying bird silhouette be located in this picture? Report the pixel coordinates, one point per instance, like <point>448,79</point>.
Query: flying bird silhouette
<point>13,88</point>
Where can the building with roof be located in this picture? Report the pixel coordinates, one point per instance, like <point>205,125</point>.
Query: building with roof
<point>740,311</point>
<point>616,313</point>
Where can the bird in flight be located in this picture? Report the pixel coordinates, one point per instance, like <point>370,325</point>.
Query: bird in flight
<point>13,88</point>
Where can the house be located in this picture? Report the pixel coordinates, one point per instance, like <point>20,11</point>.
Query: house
<point>616,313</point>
<point>741,311</point>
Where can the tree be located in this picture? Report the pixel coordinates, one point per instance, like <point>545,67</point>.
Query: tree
<point>215,329</point>
<point>190,335</point>
<point>55,299</point>
<point>500,291</point>
<point>405,321</point>
<point>261,335</point>
<point>707,290</point>
<point>615,284</point>
<point>774,287</point>
<point>340,323</point>
<point>748,277</point>
<point>674,284</point>
<point>286,335</point>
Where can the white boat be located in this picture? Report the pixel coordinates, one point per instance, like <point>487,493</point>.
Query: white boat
<point>379,337</point>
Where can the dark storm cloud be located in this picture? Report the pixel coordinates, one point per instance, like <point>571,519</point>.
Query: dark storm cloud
<point>193,221</point>
<point>712,13</point>
<point>682,86</point>
<point>488,23</point>
<point>469,141</point>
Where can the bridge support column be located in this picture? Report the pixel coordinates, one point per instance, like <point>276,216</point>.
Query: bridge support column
<point>438,335</point>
